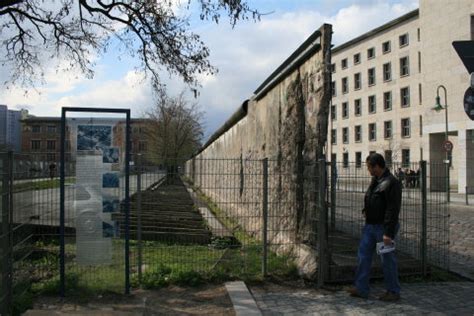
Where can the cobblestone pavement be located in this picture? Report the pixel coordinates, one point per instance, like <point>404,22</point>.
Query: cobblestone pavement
<point>461,247</point>
<point>448,298</point>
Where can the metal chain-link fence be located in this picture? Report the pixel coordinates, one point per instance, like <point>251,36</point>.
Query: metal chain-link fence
<point>216,219</point>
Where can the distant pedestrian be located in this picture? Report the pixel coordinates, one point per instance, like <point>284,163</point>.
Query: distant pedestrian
<point>52,170</point>
<point>401,175</point>
<point>381,209</point>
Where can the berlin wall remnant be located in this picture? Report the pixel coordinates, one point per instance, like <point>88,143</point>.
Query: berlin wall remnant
<point>285,121</point>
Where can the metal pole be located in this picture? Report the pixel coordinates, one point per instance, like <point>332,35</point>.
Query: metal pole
<point>62,253</point>
<point>424,218</point>
<point>127,204</point>
<point>446,137</point>
<point>333,194</point>
<point>265,215</point>
<point>139,216</point>
<point>322,225</point>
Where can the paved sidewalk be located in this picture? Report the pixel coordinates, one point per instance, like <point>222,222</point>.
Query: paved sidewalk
<point>461,248</point>
<point>448,298</point>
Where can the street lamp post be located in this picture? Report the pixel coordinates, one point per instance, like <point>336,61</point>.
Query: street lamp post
<point>438,108</point>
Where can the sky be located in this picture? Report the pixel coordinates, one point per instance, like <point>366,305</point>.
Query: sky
<point>245,56</point>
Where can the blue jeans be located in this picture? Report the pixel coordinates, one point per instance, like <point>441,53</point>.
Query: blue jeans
<point>372,234</point>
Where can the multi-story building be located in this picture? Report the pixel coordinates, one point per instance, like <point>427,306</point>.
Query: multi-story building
<point>43,135</point>
<point>385,85</point>
<point>10,128</point>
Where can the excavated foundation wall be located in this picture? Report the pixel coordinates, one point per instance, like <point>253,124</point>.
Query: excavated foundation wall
<point>286,122</point>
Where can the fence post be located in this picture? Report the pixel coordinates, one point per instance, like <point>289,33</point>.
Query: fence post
<point>265,215</point>
<point>467,195</point>
<point>139,215</point>
<point>333,194</point>
<point>322,224</point>
<point>424,217</point>
<point>6,242</point>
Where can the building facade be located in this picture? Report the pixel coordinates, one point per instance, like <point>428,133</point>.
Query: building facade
<point>10,128</point>
<point>43,135</point>
<point>385,85</point>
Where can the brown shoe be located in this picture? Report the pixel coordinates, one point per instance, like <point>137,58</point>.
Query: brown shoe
<point>390,297</point>
<point>355,293</point>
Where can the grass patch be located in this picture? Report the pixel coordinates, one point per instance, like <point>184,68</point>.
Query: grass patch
<point>39,184</point>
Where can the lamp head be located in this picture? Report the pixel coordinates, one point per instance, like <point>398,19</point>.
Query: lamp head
<point>438,107</point>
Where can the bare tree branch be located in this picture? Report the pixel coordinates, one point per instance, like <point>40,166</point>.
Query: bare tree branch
<point>71,30</point>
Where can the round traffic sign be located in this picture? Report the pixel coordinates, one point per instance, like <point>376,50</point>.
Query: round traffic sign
<point>469,103</point>
<point>448,146</point>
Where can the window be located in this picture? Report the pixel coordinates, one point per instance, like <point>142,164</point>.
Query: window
<point>420,94</point>
<point>333,157</point>
<point>421,125</point>
<point>406,158</point>
<point>345,110</point>
<point>387,129</point>
<point>406,127</point>
<point>403,40</point>
<point>333,112</point>
<point>345,135</point>
<point>371,53</point>
<point>358,133</point>
<point>36,129</point>
<point>371,76</point>
<point>333,68</point>
<point>388,158</point>
<point>372,104</point>
<point>387,101</point>
<point>405,97</point>
<point>358,159</point>
<point>419,62</point>
<point>333,136</point>
<point>345,160</point>
<point>344,63</point>
<point>51,128</point>
<point>141,146</point>
<point>356,58</point>
<point>472,27</point>
<point>387,72</point>
<point>372,132</point>
<point>333,88</point>
<point>357,81</point>
<point>51,144</point>
<point>418,34</point>
<point>35,144</point>
<point>386,47</point>
<point>345,85</point>
<point>404,66</point>
<point>357,107</point>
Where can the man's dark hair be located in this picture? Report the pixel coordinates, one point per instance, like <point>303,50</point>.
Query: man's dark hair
<point>375,159</point>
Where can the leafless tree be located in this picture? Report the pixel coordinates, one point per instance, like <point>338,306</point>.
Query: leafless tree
<point>151,30</point>
<point>175,130</point>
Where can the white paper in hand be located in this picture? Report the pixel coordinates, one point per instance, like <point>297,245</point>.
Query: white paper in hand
<point>382,248</point>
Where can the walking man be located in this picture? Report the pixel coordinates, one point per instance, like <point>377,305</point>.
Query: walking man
<point>381,209</point>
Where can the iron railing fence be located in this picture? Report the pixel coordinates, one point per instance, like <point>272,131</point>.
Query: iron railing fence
<point>238,218</point>
<point>423,237</point>
<point>30,204</point>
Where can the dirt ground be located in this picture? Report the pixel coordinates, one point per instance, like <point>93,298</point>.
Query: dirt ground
<point>174,300</point>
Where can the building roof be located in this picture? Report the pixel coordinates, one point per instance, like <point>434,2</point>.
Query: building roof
<point>410,15</point>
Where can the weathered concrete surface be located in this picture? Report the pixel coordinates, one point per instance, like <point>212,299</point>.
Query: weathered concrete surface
<point>288,126</point>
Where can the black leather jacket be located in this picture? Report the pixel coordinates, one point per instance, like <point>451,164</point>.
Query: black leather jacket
<point>382,202</point>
